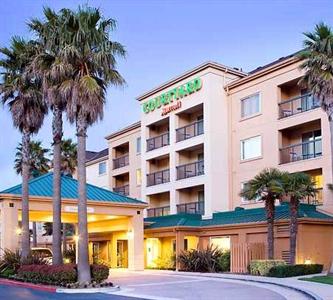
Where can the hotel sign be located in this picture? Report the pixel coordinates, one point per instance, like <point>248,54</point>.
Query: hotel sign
<point>74,209</point>
<point>170,100</point>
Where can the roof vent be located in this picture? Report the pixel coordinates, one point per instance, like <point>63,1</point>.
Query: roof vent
<point>238,208</point>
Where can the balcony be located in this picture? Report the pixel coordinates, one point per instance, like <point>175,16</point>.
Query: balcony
<point>190,170</point>
<point>158,177</point>
<point>191,208</point>
<point>297,105</point>
<point>158,141</point>
<point>123,190</point>
<point>121,161</point>
<point>190,131</point>
<point>158,211</point>
<point>301,151</point>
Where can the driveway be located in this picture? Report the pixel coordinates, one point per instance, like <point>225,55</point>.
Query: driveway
<point>158,285</point>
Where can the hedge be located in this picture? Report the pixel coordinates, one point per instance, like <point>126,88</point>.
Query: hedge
<point>99,273</point>
<point>294,270</point>
<point>262,267</point>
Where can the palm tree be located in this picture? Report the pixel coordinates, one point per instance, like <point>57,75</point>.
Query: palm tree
<point>297,186</point>
<point>53,72</point>
<point>318,72</point>
<point>266,186</point>
<point>23,96</point>
<point>68,156</point>
<point>92,56</point>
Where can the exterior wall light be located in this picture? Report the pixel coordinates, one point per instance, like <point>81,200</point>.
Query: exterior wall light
<point>307,262</point>
<point>18,231</point>
<point>130,234</point>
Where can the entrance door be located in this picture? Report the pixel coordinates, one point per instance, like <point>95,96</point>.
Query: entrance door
<point>152,251</point>
<point>95,252</point>
<point>122,254</point>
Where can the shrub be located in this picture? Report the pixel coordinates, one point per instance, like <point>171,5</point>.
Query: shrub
<point>165,262</point>
<point>200,260</point>
<point>7,273</point>
<point>70,255</point>
<point>10,260</point>
<point>99,273</point>
<point>48,274</point>
<point>34,259</point>
<point>262,267</point>
<point>294,270</point>
<point>223,262</point>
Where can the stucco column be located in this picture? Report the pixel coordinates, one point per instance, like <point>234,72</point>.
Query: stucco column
<point>179,246</point>
<point>9,224</point>
<point>135,243</point>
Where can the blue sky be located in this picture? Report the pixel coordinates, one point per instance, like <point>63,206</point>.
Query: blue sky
<point>163,39</point>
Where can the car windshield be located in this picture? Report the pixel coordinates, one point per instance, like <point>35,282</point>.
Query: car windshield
<point>42,252</point>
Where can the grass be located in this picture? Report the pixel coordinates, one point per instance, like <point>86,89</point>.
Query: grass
<point>320,279</point>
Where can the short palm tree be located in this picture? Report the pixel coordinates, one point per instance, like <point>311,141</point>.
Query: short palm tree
<point>23,96</point>
<point>268,187</point>
<point>297,186</point>
<point>318,72</point>
<point>92,55</point>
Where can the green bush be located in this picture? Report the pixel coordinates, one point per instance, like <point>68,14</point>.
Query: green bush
<point>206,260</point>
<point>10,260</point>
<point>223,262</point>
<point>262,267</point>
<point>7,273</point>
<point>165,263</point>
<point>294,270</point>
<point>99,273</point>
<point>70,255</point>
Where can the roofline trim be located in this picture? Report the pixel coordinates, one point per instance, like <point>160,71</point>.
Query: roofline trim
<point>93,161</point>
<point>208,64</point>
<point>124,130</point>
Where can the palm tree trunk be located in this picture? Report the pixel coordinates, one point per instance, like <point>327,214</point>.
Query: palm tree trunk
<point>34,234</point>
<point>56,225</point>
<point>331,138</point>
<point>25,194</point>
<point>270,211</point>
<point>293,229</point>
<point>83,256</point>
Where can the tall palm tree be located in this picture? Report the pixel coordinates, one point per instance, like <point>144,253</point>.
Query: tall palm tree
<point>318,72</point>
<point>68,156</point>
<point>297,186</point>
<point>53,72</point>
<point>92,55</point>
<point>266,186</point>
<point>23,96</point>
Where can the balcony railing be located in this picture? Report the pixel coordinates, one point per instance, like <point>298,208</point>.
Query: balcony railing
<point>301,151</point>
<point>121,161</point>
<point>190,131</point>
<point>158,211</point>
<point>158,177</point>
<point>124,190</point>
<point>190,170</point>
<point>158,141</point>
<point>317,199</point>
<point>191,208</point>
<point>297,105</point>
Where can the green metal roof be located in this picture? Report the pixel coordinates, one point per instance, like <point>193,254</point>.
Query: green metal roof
<point>43,186</point>
<point>237,216</point>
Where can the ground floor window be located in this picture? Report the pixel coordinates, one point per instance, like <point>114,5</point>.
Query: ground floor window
<point>222,242</point>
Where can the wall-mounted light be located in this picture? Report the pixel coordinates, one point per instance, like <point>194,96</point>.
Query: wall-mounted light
<point>130,234</point>
<point>307,261</point>
<point>18,231</point>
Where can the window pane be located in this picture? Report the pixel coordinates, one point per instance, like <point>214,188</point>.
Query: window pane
<point>251,148</point>
<point>102,168</point>
<point>138,145</point>
<point>138,177</point>
<point>250,105</point>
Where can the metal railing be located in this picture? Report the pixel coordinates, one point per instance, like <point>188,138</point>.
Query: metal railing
<point>317,199</point>
<point>121,161</point>
<point>190,131</point>
<point>158,141</point>
<point>191,208</point>
<point>158,177</point>
<point>158,211</point>
<point>297,105</point>
<point>301,151</point>
<point>190,170</point>
<point>124,190</point>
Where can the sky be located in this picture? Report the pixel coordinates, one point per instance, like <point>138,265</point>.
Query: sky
<point>165,38</point>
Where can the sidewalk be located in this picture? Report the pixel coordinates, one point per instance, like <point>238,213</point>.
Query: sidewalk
<point>317,291</point>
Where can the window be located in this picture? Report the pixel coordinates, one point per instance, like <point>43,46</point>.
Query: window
<point>138,177</point>
<point>138,145</point>
<point>251,148</point>
<point>222,243</point>
<point>245,200</point>
<point>250,105</point>
<point>102,168</point>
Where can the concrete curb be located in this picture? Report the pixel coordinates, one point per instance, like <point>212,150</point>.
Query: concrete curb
<point>44,288</point>
<point>306,292</point>
<point>104,290</point>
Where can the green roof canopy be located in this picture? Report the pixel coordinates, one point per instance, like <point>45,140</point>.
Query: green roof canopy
<point>237,216</point>
<point>42,186</point>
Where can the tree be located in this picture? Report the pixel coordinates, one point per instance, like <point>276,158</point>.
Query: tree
<point>52,70</point>
<point>268,187</point>
<point>68,156</point>
<point>88,49</point>
<point>297,186</point>
<point>318,72</point>
<point>22,94</point>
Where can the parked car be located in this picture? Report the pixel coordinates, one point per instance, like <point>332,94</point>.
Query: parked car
<point>46,253</point>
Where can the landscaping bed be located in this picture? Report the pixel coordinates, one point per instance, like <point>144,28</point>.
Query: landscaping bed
<point>320,279</point>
